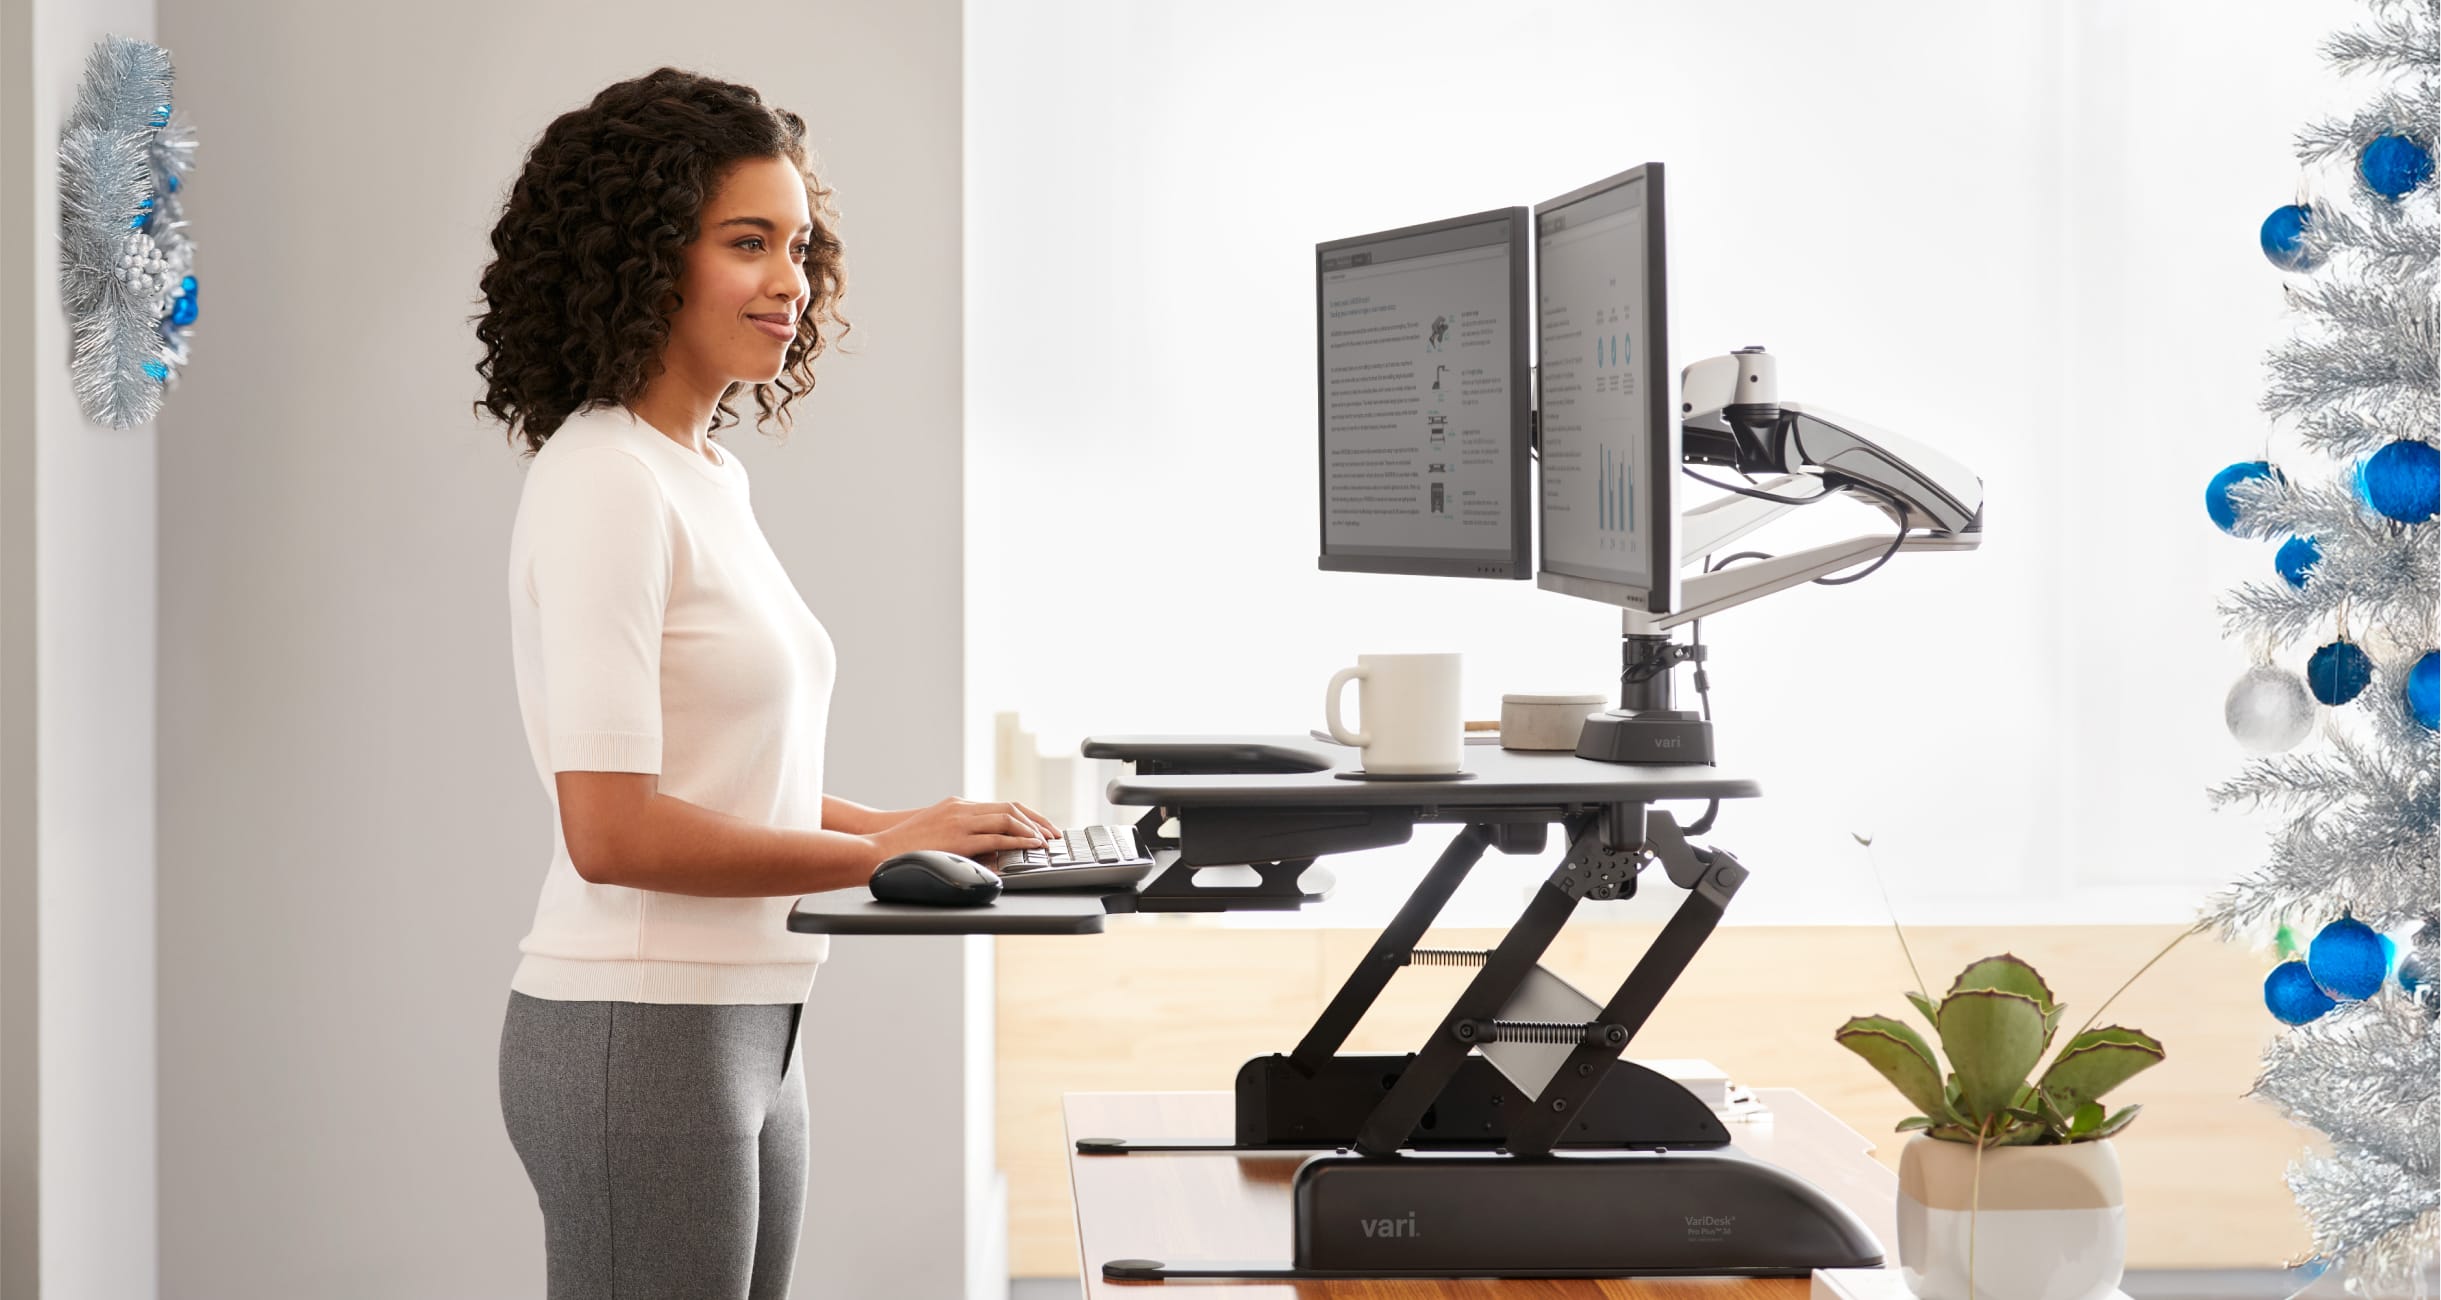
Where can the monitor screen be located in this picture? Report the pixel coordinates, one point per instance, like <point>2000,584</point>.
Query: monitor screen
<point>1609,432</point>
<point>1421,335</point>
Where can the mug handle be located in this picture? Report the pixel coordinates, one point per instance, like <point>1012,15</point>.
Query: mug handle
<point>1332,696</point>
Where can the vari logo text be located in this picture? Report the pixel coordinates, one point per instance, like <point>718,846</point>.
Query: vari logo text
<point>1389,1227</point>
<point>1711,1225</point>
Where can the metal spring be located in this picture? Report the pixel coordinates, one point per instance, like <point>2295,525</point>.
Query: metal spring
<point>1562,1033</point>
<point>1449,956</point>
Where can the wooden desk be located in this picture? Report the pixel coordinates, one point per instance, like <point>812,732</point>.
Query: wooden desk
<point>1237,1206</point>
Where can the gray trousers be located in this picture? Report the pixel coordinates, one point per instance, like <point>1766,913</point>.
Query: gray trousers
<point>666,1143</point>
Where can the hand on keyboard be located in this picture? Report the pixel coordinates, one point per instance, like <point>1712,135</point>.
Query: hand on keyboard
<point>1078,846</point>
<point>976,830</point>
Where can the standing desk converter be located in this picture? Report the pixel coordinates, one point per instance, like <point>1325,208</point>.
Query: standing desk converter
<point>1515,1127</point>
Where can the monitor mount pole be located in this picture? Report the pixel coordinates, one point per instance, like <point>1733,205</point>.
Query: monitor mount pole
<point>1648,726</point>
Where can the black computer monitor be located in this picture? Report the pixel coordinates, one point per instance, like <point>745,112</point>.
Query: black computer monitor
<point>1420,341</point>
<point>1610,434</point>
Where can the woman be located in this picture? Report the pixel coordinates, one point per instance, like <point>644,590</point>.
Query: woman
<point>666,246</point>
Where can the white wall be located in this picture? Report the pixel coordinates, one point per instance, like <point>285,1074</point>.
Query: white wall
<point>2022,233</point>
<point>20,875</point>
<point>78,712</point>
<point>353,836</point>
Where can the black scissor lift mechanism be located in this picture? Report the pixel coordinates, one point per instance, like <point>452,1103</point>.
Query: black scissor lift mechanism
<point>1439,1162</point>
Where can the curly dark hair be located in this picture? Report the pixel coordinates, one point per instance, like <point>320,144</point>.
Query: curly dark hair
<point>587,254</point>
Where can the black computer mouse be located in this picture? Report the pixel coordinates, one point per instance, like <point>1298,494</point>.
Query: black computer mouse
<point>936,877</point>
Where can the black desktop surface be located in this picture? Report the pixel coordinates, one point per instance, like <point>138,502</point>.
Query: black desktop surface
<point>1301,772</point>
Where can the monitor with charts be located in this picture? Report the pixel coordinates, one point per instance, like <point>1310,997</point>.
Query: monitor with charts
<point>1610,434</point>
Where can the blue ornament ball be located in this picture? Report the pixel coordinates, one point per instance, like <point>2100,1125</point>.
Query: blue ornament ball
<point>2284,238</point>
<point>2339,672</point>
<point>2297,555</point>
<point>2402,481</point>
<point>2424,690</point>
<point>2292,995</point>
<point>182,310</point>
<point>2392,165</point>
<point>2217,503</point>
<point>2346,960</point>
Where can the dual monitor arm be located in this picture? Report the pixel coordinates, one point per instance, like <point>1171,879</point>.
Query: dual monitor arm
<point>1731,415</point>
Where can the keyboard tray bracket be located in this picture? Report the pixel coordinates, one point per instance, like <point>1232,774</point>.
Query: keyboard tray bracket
<point>1282,886</point>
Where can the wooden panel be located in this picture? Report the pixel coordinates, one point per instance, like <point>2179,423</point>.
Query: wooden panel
<point>1162,1004</point>
<point>1237,1207</point>
<point>1161,1009</point>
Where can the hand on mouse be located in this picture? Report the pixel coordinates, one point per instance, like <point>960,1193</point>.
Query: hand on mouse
<point>967,827</point>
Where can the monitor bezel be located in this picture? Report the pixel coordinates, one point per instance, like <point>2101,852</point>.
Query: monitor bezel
<point>1518,563</point>
<point>1661,597</point>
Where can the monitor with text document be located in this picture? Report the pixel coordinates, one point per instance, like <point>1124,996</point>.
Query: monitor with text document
<point>1421,338</point>
<point>1610,433</point>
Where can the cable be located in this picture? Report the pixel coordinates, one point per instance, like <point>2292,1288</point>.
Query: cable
<point>1725,561</point>
<point>1703,682</point>
<point>1757,493</point>
<point>1867,572</point>
<point>1797,441</point>
<point>1893,549</point>
<point>1703,692</point>
<point>1895,543</point>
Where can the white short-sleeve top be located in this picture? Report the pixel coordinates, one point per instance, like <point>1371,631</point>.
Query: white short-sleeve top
<point>654,630</point>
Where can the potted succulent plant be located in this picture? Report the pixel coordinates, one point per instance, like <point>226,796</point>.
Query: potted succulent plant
<point>2009,1189</point>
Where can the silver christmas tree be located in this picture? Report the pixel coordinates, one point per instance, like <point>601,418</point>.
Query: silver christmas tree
<point>2351,499</point>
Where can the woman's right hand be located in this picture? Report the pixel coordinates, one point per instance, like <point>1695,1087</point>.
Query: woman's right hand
<point>966,827</point>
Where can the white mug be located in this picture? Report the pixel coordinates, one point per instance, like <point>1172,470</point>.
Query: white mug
<point>1409,707</point>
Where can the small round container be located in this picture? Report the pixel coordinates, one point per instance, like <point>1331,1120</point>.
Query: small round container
<point>1545,721</point>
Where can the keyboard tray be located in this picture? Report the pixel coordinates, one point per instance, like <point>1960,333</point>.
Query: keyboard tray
<point>1084,875</point>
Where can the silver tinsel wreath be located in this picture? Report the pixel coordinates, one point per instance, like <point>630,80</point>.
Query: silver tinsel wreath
<point>126,266</point>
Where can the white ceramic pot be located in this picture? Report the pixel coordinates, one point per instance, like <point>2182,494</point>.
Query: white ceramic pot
<point>2051,1222</point>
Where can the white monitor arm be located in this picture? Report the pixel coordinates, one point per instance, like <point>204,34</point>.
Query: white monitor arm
<point>1732,415</point>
